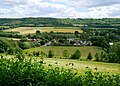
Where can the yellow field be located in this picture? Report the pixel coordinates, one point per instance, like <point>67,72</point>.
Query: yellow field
<point>27,30</point>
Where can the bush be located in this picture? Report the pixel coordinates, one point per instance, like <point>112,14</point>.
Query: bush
<point>107,57</point>
<point>76,55</point>
<point>13,51</point>
<point>26,45</point>
<point>29,73</point>
<point>6,44</point>
<point>50,54</point>
<point>96,57</point>
<point>113,58</point>
<point>89,56</point>
<point>65,54</point>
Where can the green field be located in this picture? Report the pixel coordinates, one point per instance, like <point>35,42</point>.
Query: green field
<point>27,30</point>
<point>113,68</point>
<point>58,50</point>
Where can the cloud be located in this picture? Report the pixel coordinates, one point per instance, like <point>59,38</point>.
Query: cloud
<point>60,8</point>
<point>106,11</point>
<point>88,3</point>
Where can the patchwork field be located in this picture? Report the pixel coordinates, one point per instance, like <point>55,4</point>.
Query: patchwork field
<point>58,50</point>
<point>27,30</point>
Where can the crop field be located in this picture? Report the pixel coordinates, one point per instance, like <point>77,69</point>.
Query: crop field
<point>4,26</point>
<point>15,39</point>
<point>58,50</point>
<point>27,30</point>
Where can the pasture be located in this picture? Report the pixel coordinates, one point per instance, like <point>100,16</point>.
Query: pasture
<point>113,68</point>
<point>58,50</point>
<point>27,30</point>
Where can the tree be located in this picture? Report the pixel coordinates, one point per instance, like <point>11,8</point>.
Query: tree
<point>65,53</point>
<point>6,44</point>
<point>96,57</point>
<point>25,45</point>
<point>105,44</point>
<point>37,32</point>
<point>76,32</point>
<point>76,55</point>
<point>89,56</point>
<point>50,54</point>
<point>51,32</point>
<point>42,42</point>
<point>116,50</point>
<point>112,57</point>
<point>97,40</point>
<point>61,41</point>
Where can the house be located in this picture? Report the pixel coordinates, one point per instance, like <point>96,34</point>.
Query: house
<point>111,43</point>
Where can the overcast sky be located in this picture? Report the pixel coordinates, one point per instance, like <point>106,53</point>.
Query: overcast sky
<point>60,8</point>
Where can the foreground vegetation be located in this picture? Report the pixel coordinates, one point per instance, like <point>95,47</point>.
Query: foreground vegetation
<point>26,72</point>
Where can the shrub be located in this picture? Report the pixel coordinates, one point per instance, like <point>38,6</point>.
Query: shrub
<point>96,57</point>
<point>76,55</point>
<point>29,73</point>
<point>5,44</point>
<point>65,54</point>
<point>50,54</point>
<point>89,56</point>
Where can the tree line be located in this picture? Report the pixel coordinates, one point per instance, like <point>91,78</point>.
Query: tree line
<point>58,22</point>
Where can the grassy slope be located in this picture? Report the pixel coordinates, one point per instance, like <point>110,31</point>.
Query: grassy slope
<point>113,68</point>
<point>27,30</point>
<point>58,50</point>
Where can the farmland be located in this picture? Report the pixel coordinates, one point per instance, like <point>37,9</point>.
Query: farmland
<point>112,68</point>
<point>27,30</point>
<point>79,65</point>
<point>58,50</point>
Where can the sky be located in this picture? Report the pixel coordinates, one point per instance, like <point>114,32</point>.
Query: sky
<point>60,8</point>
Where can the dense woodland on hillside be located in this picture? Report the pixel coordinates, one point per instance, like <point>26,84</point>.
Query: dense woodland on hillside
<point>65,22</point>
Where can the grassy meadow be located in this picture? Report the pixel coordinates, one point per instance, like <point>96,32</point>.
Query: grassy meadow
<point>58,50</point>
<point>113,68</point>
<point>27,30</point>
